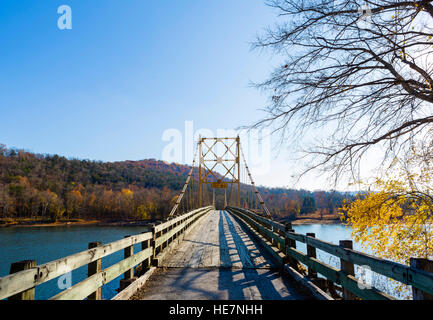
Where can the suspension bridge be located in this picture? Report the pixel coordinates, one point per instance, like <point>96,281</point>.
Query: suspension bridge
<point>218,245</point>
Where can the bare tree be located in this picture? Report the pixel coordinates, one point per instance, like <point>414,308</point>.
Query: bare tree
<point>362,70</point>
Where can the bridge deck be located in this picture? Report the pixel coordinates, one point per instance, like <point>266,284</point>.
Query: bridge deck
<point>218,260</point>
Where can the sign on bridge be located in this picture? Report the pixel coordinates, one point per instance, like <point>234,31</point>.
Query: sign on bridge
<point>219,185</point>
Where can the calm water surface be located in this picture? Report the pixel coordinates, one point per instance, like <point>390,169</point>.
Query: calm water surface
<point>45,244</point>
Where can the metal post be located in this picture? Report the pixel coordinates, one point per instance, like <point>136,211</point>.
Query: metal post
<point>200,160</point>
<point>225,198</point>
<point>239,170</point>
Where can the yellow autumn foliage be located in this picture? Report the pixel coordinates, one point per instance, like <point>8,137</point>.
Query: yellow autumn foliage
<point>394,223</point>
<point>127,193</point>
<point>395,220</point>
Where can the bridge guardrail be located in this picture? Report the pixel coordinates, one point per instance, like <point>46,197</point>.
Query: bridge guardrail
<point>284,238</point>
<point>21,285</point>
<point>166,232</point>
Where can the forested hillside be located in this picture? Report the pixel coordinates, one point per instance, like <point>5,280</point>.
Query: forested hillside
<point>53,187</point>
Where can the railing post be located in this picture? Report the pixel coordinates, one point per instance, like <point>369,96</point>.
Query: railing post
<point>93,268</point>
<point>146,263</point>
<point>287,228</point>
<point>154,261</point>
<point>273,241</point>
<point>311,252</point>
<point>165,244</point>
<point>20,266</point>
<point>128,252</point>
<point>425,265</point>
<point>174,236</point>
<point>290,243</point>
<point>347,268</point>
<point>129,274</point>
<point>185,228</point>
<point>280,246</point>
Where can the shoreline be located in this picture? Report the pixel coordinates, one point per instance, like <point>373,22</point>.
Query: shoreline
<point>315,221</point>
<point>28,223</point>
<point>84,223</point>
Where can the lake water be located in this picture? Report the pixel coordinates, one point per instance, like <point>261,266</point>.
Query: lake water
<point>45,244</point>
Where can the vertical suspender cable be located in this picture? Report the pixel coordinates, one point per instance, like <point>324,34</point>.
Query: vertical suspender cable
<point>257,193</point>
<point>188,179</point>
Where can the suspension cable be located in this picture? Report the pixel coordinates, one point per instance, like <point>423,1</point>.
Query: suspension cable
<point>257,193</point>
<point>179,198</point>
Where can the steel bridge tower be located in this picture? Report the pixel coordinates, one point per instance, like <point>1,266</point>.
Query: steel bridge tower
<point>210,160</point>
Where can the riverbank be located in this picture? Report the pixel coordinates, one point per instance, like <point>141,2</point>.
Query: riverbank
<point>27,222</point>
<point>314,218</point>
<point>23,223</point>
<point>316,221</point>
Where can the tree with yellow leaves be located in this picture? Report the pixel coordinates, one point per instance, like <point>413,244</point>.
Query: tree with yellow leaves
<point>126,197</point>
<point>395,221</point>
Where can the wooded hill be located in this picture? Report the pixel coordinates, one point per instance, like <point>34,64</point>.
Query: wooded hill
<point>51,187</point>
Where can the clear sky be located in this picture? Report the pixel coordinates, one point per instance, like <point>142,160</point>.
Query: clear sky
<point>129,70</point>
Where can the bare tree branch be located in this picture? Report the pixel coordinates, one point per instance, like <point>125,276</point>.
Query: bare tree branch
<point>364,71</point>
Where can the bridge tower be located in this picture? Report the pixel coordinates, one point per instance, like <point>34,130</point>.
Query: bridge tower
<point>228,161</point>
<point>219,166</point>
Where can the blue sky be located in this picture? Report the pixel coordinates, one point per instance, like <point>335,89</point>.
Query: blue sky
<point>128,71</point>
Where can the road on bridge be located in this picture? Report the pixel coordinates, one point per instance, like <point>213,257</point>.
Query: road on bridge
<point>219,260</point>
